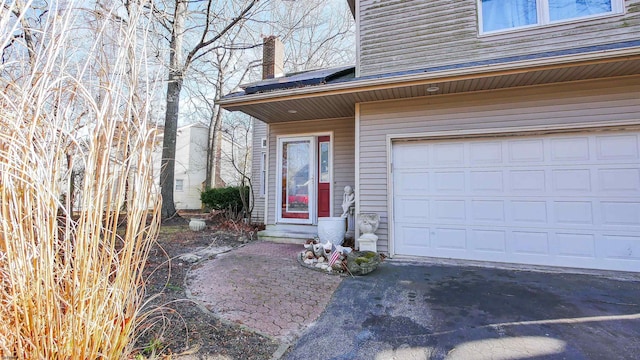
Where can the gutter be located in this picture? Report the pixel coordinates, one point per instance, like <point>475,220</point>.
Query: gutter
<point>379,83</point>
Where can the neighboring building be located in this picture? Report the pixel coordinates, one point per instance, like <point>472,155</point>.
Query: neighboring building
<point>480,130</point>
<point>190,165</point>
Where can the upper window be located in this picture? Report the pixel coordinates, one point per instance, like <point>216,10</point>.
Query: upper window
<point>501,15</point>
<point>179,184</point>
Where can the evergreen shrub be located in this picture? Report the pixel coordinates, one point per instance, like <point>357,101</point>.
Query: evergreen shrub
<point>226,198</point>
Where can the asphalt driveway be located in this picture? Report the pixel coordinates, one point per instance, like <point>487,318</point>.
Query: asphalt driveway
<point>428,311</point>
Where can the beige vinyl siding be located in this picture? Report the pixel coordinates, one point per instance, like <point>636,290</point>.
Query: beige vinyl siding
<point>596,101</point>
<point>399,35</point>
<point>259,132</point>
<point>343,155</point>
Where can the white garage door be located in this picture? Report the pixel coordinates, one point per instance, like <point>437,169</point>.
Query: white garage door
<point>563,200</point>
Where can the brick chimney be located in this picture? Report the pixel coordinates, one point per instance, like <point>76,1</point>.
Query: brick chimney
<point>272,57</point>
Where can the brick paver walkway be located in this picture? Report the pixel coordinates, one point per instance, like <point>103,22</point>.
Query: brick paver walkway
<point>262,286</point>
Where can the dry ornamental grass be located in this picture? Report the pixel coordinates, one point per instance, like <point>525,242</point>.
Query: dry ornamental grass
<point>71,286</point>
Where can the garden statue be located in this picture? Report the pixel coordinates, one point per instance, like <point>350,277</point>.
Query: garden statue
<point>318,250</point>
<point>348,200</point>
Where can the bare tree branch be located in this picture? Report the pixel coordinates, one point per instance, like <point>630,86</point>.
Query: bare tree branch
<point>203,44</point>
<point>19,12</point>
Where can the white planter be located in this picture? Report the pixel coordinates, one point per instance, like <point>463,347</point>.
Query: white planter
<point>368,224</point>
<point>332,229</point>
<point>197,224</point>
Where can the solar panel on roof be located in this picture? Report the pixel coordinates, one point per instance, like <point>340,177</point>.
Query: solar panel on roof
<point>307,78</point>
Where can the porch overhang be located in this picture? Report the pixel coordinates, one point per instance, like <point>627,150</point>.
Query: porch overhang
<point>338,100</point>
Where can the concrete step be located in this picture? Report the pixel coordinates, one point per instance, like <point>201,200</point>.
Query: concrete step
<point>288,234</point>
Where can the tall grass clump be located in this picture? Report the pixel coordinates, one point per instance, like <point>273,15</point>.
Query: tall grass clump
<point>75,100</point>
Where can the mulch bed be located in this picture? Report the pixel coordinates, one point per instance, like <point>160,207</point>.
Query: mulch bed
<point>178,325</point>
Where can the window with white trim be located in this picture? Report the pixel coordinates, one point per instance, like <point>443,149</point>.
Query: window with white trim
<point>179,184</point>
<point>503,15</point>
<point>263,174</point>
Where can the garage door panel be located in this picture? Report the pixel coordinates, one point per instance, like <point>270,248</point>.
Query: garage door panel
<point>527,212</point>
<point>573,213</point>
<point>413,237</point>
<point>449,154</point>
<point>450,239</point>
<point>617,147</point>
<point>411,156</point>
<point>486,152</point>
<point>530,242</point>
<point>486,182</point>
<point>625,247</point>
<point>412,182</point>
<point>526,151</point>
<point>494,241</point>
<point>448,211</point>
<point>527,181</point>
<point>620,213</point>
<point>449,182</point>
<point>562,200</point>
<point>575,245</point>
<point>488,211</point>
<point>571,180</point>
<point>570,149</point>
<point>412,210</point>
<point>619,180</point>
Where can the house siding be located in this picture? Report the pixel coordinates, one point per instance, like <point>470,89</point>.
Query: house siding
<point>400,35</point>
<point>598,102</point>
<point>259,132</point>
<point>343,155</point>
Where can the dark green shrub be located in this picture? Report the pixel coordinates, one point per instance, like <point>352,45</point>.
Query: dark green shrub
<point>227,198</point>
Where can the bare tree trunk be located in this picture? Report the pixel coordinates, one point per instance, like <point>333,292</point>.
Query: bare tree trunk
<point>167,171</point>
<point>218,181</point>
<point>174,86</point>
<point>214,150</point>
<point>209,166</point>
<point>177,69</point>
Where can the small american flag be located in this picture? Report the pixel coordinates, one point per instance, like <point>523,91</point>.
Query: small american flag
<point>334,257</point>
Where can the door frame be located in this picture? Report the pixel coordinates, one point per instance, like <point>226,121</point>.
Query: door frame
<point>313,193</point>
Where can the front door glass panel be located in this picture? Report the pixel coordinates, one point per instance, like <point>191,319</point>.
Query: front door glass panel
<point>297,184</point>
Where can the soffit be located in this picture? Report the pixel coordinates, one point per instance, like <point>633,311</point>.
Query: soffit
<point>326,101</point>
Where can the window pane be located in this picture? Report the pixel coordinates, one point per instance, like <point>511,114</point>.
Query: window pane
<point>508,14</point>
<point>568,9</point>
<point>296,176</point>
<point>263,174</point>
<point>324,162</point>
